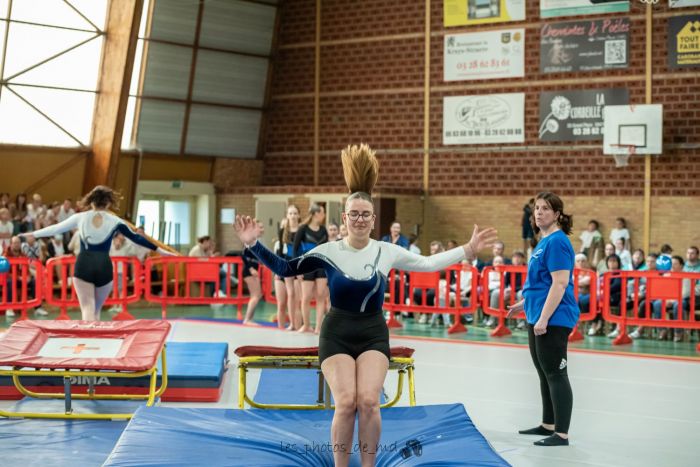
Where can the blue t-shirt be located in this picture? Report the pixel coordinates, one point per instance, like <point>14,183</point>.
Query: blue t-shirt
<point>553,253</point>
<point>402,241</point>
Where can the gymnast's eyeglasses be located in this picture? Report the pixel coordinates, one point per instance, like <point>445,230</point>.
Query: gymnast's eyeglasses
<point>355,215</point>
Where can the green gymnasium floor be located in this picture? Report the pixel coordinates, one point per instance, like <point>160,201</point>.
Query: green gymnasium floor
<point>476,333</point>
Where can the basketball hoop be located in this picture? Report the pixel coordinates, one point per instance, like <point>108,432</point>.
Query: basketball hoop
<point>622,159</point>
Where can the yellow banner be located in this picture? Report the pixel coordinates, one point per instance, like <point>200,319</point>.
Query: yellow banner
<point>468,12</point>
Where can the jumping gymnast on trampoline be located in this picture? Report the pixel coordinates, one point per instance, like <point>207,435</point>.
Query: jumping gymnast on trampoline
<point>354,339</point>
<point>551,311</point>
<point>92,277</point>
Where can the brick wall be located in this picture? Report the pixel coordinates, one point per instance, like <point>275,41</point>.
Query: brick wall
<point>226,239</point>
<point>372,77</point>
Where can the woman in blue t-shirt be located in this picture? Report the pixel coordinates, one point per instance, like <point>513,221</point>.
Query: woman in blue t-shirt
<point>551,312</point>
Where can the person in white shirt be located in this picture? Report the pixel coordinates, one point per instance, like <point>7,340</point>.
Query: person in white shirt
<point>413,247</point>
<point>591,242</point>
<point>35,209</point>
<point>203,248</point>
<point>620,231</point>
<point>6,228</point>
<point>624,254</point>
<point>66,210</point>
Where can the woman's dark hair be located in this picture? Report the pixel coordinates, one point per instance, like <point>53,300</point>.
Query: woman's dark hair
<point>313,209</point>
<point>622,221</point>
<point>565,221</point>
<point>666,248</point>
<point>101,197</point>
<point>203,238</point>
<point>616,258</point>
<point>679,259</point>
<point>22,207</point>
<point>594,222</point>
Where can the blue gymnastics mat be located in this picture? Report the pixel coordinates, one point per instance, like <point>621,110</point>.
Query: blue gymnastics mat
<point>290,386</point>
<point>437,435</point>
<point>287,386</point>
<point>59,443</point>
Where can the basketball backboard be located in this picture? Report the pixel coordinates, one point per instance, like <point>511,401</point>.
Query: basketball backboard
<point>633,126</point>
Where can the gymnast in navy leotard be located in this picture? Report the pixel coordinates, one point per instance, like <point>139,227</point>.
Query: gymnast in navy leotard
<point>92,276</point>
<point>354,339</point>
<point>288,308</point>
<point>312,233</point>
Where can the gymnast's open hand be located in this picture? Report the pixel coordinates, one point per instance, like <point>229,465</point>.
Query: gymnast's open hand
<point>481,238</point>
<point>247,229</point>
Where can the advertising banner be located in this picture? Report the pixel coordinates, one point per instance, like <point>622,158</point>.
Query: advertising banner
<point>495,118</point>
<point>481,55</point>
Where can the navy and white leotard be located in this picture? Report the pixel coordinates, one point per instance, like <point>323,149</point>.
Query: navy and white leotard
<point>357,280</point>
<point>93,264</point>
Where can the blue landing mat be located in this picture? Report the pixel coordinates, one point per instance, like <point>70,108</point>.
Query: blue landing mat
<point>290,386</point>
<point>438,435</point>
<point>60,443</point>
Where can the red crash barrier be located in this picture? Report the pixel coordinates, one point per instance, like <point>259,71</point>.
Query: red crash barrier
<point>651,298</point>
<point>195,281</point>
<point>511,280</point>
<point>512,277</point>
<point>585,287</point>
<point>403,287</point>
<point>21,288</point>
<point>126,289</point>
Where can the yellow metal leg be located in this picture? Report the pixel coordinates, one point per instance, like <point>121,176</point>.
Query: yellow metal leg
<point>242,386</point>
<point>153,392</point>
<point>411,387</point>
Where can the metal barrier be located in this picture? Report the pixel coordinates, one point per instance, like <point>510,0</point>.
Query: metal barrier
<point>22,286</point>
<point>185,280</point>
<point>662,295</point>
<point>592,312</point>
<point>517,275</point>
<point>447,300</point>
<point>127,285</point>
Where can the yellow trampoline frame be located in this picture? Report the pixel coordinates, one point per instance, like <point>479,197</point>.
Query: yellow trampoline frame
<point>17,372</point>
<point>404,365</point>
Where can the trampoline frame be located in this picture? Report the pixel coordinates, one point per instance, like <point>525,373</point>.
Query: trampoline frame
<point>404,365</point>
<point>153,393</point>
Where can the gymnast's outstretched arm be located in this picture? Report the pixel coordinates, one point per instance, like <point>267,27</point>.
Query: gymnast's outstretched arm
<point>248,231</point>
<point>65,226</point>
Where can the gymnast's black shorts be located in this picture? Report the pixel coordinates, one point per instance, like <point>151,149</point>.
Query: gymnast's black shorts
<point>94,267</point>
<point>317,274</point>
<point>352,333</point>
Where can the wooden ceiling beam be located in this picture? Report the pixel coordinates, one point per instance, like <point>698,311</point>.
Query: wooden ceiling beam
<point>119,50</point>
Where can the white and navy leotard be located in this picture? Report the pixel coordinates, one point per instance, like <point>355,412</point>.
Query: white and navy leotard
<point>357,280</point>
<point>93,264</point>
